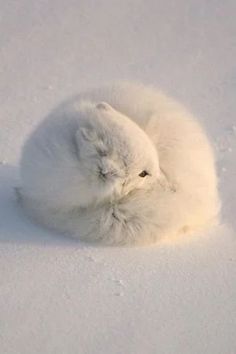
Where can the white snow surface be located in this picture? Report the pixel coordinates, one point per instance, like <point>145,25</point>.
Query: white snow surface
<point>65,297</point>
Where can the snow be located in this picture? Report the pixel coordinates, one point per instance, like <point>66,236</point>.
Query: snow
<point>62,296</point>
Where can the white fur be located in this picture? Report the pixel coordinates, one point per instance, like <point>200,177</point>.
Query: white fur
<point>80,168</point>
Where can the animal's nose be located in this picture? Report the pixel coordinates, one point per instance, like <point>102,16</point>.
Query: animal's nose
<point>103,174</point>
<point>106,174</point>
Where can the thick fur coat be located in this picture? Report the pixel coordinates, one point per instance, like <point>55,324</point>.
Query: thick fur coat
<point>123,164</point>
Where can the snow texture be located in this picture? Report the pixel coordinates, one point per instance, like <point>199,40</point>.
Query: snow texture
<point>61,296</point>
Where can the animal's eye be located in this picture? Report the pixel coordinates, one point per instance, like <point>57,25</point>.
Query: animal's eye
<point>143,173</point>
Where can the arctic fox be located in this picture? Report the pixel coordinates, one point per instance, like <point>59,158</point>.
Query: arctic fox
<point>123,164</point>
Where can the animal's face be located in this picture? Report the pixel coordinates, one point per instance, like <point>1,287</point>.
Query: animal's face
<point>116,158</point>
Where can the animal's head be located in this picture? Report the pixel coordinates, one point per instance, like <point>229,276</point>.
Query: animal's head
<point>116,156</point>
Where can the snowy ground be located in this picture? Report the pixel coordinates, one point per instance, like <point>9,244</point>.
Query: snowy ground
<point>60,296</point>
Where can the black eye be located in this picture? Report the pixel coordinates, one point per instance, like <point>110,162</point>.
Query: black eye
<point>143,174</point>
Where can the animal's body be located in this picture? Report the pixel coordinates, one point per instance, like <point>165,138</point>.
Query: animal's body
<point>121,164</point>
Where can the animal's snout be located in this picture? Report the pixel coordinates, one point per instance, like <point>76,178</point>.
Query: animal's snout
<point>107,174</point>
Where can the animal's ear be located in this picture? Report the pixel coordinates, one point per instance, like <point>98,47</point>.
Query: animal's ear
<point>103,106</point>
<point>87,134</point>
<point>85,137</point>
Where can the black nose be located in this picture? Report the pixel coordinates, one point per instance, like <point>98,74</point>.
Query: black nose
<point>102,174</point>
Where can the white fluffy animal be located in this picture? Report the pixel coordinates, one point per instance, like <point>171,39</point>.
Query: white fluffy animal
<point>122,164</point>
